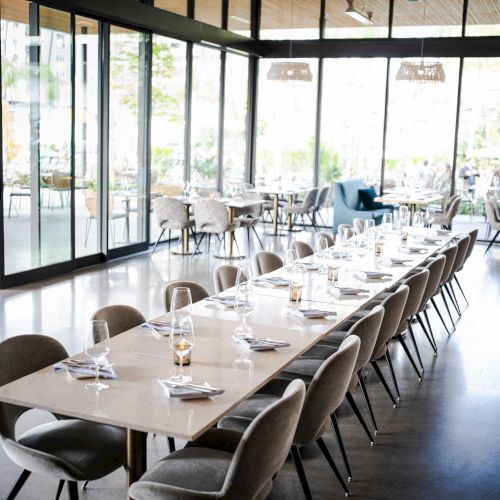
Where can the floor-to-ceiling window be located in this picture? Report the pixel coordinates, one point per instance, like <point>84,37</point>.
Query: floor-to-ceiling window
<point>286,126</point>
<point>205,119</point>
<point>352,119</point>
<point>127,171</point>
<point>235,116</point>
<point>87,178</point>
<point>421,130</point>
<point>167,120</point>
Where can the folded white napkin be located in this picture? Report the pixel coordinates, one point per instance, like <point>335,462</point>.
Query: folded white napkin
<point>225,301</point>
<point>310,313</point>
<point>311,266</point>
<point>85,369</point>
<point>394,261</point>
<point>443,232</point>
<point>410,249</point>
<point>348,292</point>
<point>162,327</point>
<point>372,276</point>
<point>188,391</point>
<point>272,282</point>
<point>260,344</point>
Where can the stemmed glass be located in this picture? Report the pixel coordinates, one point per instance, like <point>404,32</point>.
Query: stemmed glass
<point>418,220</point>
<point>181,342</point>
<point>181,302</point>
<point>387,221</point>
<point>320,249</point>
<point>243,276</point>
<point>244,305</point>
<point>290,257</point>
<point>97,347</point>
<point>369,224</point>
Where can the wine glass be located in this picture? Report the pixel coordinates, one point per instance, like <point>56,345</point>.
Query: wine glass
<point>387,221</point>
<point>369,224</point>
<point>181,343</point>
<point>418,220</point>
<point>290,257</point>
<point>403,212</point>
<point>97,347</point>
<point>320,249</point>
<point>244,305</point>
<point>181,303</point>
<point>243,276</point>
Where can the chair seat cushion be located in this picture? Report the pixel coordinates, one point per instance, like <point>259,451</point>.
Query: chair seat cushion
<point>294,209</point>
<point>91,450</point>
<point>441,220</point>
<point>192,469</point>
<point>303,368</point>
<point>247,221</point>
<point>320,351</point>
<point>176,224</point>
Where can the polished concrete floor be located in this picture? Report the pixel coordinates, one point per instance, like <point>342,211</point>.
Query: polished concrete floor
<point>440,443</point>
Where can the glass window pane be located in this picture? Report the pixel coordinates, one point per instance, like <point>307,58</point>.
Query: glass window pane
<point>420,130</point>
<point>286,127</point>
<point>167,120</point>
<point>126,116</point>
<point>208,11</point>
<point>352,119</point>
<point>175,6</point>
<point>205,118</point>
<point>341,24</point>
<point>427,18</point>
<point>478,156</point>
<point>483,18</point>
<point>235,124</point>
<point>284,19</point>
<point>239,16</point>
<point>86,136</point>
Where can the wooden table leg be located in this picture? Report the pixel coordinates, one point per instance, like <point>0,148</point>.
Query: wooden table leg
<point>136,455</point>
<point>275,220</point>
<point>184,250</point>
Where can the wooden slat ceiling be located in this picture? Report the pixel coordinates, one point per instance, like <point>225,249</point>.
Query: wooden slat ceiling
<point>277,14</point>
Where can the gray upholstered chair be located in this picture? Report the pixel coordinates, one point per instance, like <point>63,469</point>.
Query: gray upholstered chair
<point>120,318</point>
<point>325,393</point>
<point>321,202</point>
<point>197,292</point>
<point>211,217</point>
<point>358,225</point>
<point>67,449</point>
<point>302,249</point>
<point>493,220</point>
<point>225,464</point>
<point>249,217</point>
<point>170,213</point>
<point>304,208</point>
<point>473,237</point>
<point>367,329</point>
<point>225,277</point>
<point>266,262</point>
<point>328,237</point>
<point>445,219</point>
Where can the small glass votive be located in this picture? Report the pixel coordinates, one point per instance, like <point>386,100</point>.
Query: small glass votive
<point>186,360</point>
<point>333,273</point>
<point>295,292</point>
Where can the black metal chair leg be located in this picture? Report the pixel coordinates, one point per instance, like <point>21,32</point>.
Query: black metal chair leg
<point>258,237</point>
<point>25,474</point>
<point>60,487</point>
<point>158,241</point>
<point>380,375</point>
<point>341,445</point>
<point>73,490</point>
<point>329,459</point>
<point>460,288</point>
<point>412,336</point>
<point>355,408</point>
<point>367,401</point>
<point>440,316</point>
<point>237,247</point>
<point>84,485</point>
<point>485,252</point>
<point>447,308</point>
<point>393,374</point>
<point>300,472</point>
<point>199,243</point>
<point>171,444</point>
<point>429,327</point>
<point>193,233</point>
<point>421,323</point>
<point>410,357</point>
<point>452,289</point>
<point>447,289</point>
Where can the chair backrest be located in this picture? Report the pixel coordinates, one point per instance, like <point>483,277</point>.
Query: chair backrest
<point>462,245</point>
<point>264,447</point>
<point>358,225</point>
<point>491,213</point>
<point>328,237</point>
<point>211,216</point>
<point>343,227</point>
<point>435,267</point>
<point>394,306</point>
<point>367,329</point>
<point>327,391</point>
<point>416,285</point>
<point>225,277</point>
<point>310,199</point>
<point>473,237</point>
<point>246,186</point>
<point>169,210</point>
<point>253,210</point>
<point>20,356</point>
<point>197,292</point>
<point>349,191</point>
<point>453,208</point>
<point>302,249</point>
<point>120,318</point>
<point>266,262</point>
<point>322,197</point>
<point>449,202</point>
<point>450,253</point>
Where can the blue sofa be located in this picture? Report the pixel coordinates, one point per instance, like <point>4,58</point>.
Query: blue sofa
<point>347,204</point>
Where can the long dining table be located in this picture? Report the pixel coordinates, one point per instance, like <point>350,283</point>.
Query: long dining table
<point>141,356</point>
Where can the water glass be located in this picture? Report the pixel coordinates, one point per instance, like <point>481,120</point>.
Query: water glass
<point>97,347</point>
<point>418,220</point>
<point>243,276</point>
<point>181,343</point>
<point>387,221</point>
<point>369,224</point>
<point>244,305</point>
<point>290,257</point>
<point>181,303</point>
<point>296,285</point>
<point>403,212</point>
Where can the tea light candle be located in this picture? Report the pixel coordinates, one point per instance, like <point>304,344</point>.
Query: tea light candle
<point>186,360</point>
